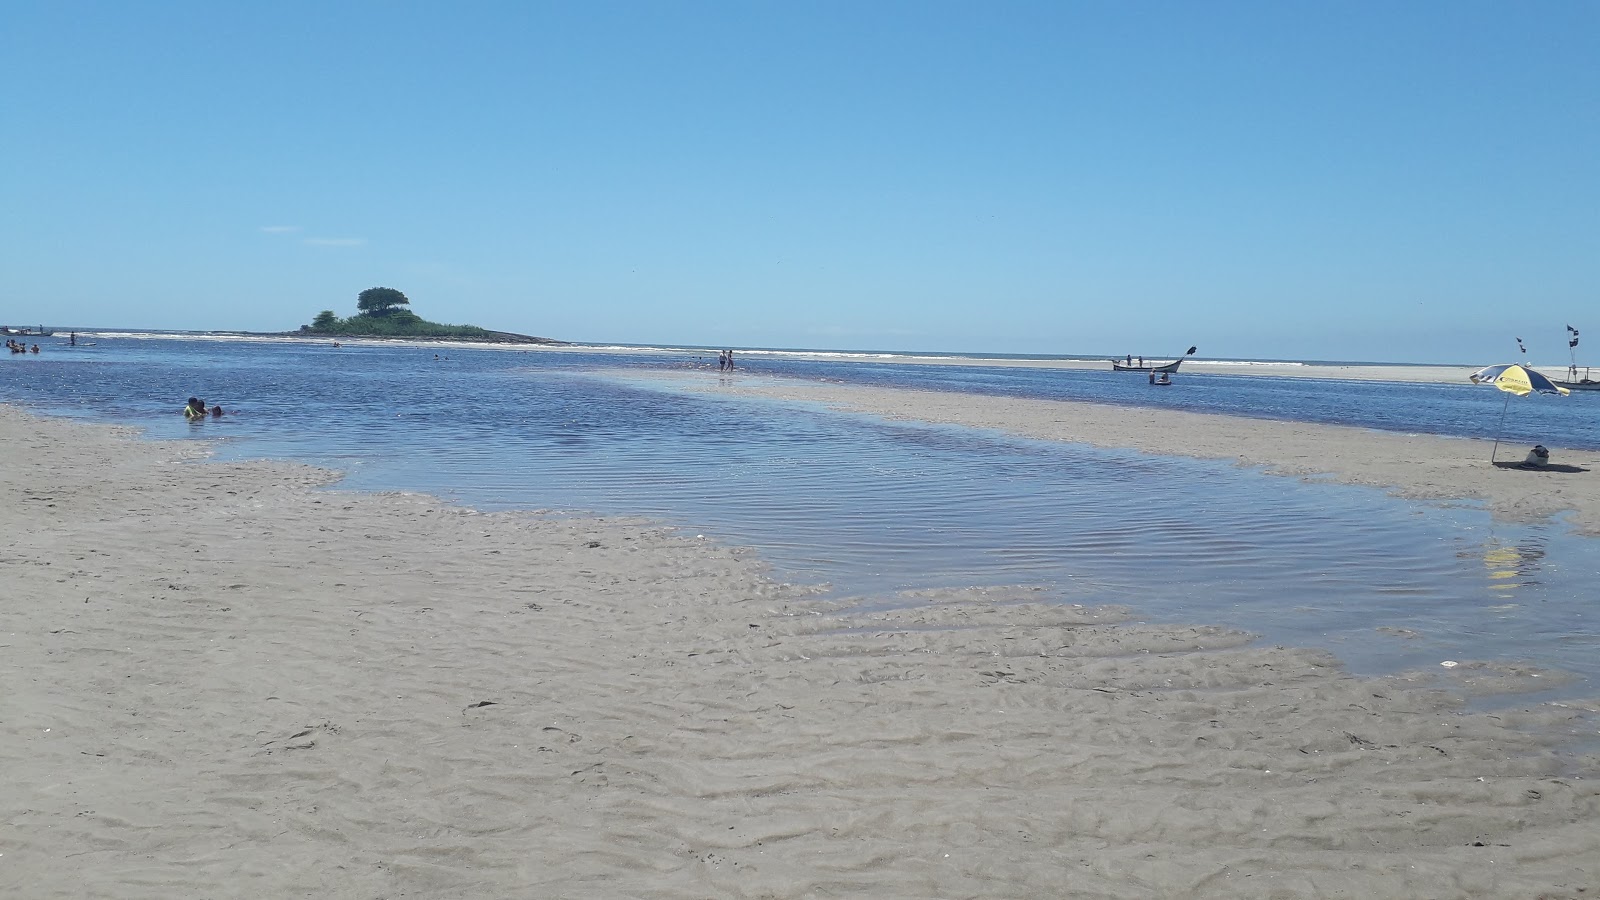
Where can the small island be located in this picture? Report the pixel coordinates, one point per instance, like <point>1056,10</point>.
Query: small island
<point>381,313</point>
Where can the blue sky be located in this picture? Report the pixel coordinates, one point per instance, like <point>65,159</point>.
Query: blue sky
<point>1408,182</point>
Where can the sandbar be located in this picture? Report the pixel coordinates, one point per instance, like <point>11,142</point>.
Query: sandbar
<point>1414,466</point>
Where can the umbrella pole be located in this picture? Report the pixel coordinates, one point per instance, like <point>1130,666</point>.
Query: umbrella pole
<point>1500,428</point>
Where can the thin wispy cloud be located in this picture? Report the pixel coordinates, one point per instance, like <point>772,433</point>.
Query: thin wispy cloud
<point>335,242</point>
<point>280,229</point>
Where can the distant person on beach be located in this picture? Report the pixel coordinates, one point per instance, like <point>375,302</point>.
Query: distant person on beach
<point>72,339</point>
<point>1130,359</point>
<point>36,348</point>
<point>216,412</point>
<point>730,360</point>
<point>196,409</point>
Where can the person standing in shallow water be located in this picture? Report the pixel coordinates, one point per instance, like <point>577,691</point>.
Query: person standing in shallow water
<point>196,409</point>
<point>730,360</point>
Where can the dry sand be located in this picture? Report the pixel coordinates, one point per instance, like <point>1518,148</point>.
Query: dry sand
<point>220,681</point>
<point>1415,466</point>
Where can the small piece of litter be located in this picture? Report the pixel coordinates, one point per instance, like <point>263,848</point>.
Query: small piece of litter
<point>1449,664</point>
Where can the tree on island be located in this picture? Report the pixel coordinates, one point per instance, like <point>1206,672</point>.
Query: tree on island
<point>381,301</point>
<point>383,313</point>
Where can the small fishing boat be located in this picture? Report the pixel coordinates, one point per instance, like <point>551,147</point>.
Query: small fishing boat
<point>26,332</point>
<point>1129,365</point>
<point>1142,366</point>
<point>1574,381</point>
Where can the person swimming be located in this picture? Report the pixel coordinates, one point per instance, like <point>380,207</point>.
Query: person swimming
<point>195,409</point>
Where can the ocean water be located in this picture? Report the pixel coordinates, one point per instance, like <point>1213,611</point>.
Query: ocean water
<point>872,508</point>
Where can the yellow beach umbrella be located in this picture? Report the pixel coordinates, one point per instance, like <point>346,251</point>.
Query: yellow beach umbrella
<point>1514,379</point>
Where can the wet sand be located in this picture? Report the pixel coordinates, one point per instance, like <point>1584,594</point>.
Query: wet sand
<point>1431,374</point>
<point>1372,372</point>
<point>1415,466</point>
<point>224,680</point>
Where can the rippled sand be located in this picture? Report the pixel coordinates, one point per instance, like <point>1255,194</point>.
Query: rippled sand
<point>220,681</point>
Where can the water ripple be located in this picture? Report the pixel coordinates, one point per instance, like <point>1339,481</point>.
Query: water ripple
<point>875,507</point>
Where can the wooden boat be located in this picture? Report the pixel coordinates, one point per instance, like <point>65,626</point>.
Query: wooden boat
<point>27,332</point>
<point>1127,364</point>
<point>1169,367</point>
<point>1574,383</point>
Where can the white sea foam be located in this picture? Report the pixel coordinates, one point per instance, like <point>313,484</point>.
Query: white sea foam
<point>1242,362</point>
<point>192,336</point>
<point>237,338</point>
<point>781,354</point>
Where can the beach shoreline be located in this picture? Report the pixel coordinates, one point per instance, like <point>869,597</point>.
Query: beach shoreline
<point>1380,372</point>
<point>1412,466</point>
<point>237,680</point>
<point>1383,372</point>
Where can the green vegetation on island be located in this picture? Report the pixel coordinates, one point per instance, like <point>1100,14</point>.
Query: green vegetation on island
<point>382,313</point>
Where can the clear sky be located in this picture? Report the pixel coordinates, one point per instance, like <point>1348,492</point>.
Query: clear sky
<point>1415,181</point>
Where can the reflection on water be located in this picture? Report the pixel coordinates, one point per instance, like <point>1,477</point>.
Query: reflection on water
<point>875,507</point>
<point>1513,566</point>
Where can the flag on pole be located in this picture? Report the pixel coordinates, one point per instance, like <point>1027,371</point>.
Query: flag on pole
<point>1520,347</point>
<point>1573,342</point>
